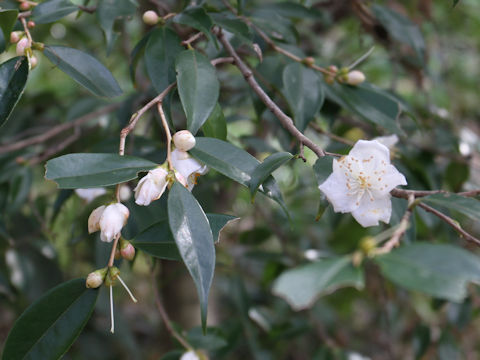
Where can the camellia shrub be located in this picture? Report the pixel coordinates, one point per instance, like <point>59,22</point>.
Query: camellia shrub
<point>246,179</point>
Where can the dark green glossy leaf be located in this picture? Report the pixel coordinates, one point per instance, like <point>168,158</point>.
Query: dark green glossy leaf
<point>456,174</point>
<point>291,10</point>
<point>266,168</point>
<point>216,126</point>
<point>323,168</point>
<point>7,21</point>
<point>198,87</point>
<point>52,10</point>
<point>157,240</point>
<point>84,69</point>
<point>108,11</point>
<point>401,29</point>
<point>303,285</point>
<point>233,25</point>
<point>137,53</point>
<point>196,18</point>
<point>469,207</point>
<point>194,239</point>
<point>371,104</point>
<point>13,77</point>
<point>49,326</point>
<point>162,48</point>
<point>94,170</point>
<point>443,271</point>
<point>304,93</point>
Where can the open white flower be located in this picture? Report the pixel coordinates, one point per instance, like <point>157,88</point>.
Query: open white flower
<point>361,183</point>
<point>151,186</point>
<point>109,220</point>
<point>188,167</point>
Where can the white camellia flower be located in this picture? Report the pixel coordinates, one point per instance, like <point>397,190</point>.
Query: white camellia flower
<point>188,167</point>
<point>89,194</point>
<point>361,183</point>
<point>151,186</point>
<point>389,141</point>
<point>109,220</point>
<point>190,355</point>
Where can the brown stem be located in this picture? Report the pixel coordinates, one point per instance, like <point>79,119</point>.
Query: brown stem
<point>25,14</point>
<point>166,319</point>
<point>285,120</point>
<point>334,137</point>
<point>56,149</point>
<point>222,60</point>
<point>192,39</point>
<point>404,194</point>
<point>167,133</point>
<point>88,9</point>
<point>451,222</point>
<point>112,252</point>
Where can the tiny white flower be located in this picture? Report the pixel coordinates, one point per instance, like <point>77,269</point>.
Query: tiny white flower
<point>89,194</point>
<point>190,355</point>
<point>109,220</point>
<point>184,140</point>
<point>389,141</point>
<point>188,167</point>
<point>151,186</point>
<point>361,183</point>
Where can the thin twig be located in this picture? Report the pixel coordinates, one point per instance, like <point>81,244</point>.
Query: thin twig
<point>56,130</point>
<point>27,32</point>
<point>25,14</point>
<point>112,252</point>
<point>334,137</point>
<point>285,120</point>
<point>404,194</point>
<point>166,319</point>
<point>167,133</point>
<point>222,60</point>
<point>56,149</point>
<point>454,224</point>
<point>192,39</point>
<point>87,9</point>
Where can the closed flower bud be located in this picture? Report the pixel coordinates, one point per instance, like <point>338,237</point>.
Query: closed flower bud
<point>184,140</point>
<point>22,44</point>
<point>31,24</point>
<point>33,62</point>
<point>355,77</point>
<point>95,278</point>
<point>150,17</point>
<point>94,219</point>
<point>24,6</point>
<point>125,192</point>
<point>15,36</point>
<point>151,186</point>
<point>112,275</point>
<point>113,218</point>
<point>128,252</point>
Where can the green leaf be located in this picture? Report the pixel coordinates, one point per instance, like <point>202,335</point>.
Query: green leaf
<point>233,25</point>
<point>235,163</point>
<point>198,87</point>
<point>303,285</point>
<point>157,240</point>
<point>469,207</point>
<point>291,10</point>
<point>49,326</point>
<point>162,48</point>
<point>436,269</point>
<point>7,21</point>
<point>52,10</point>
<point>13,77</point>
<point>216,126</point>
<point>263,170</point>
<point>323,168</point>
<point>196,18</point>
<point>303,92</point>
<point>136,54</point>
<point>84,69</point>
<point>371,104</point>
<point>401,29</point>
<point>94,170</point>
<point>108,11</point>
<point>194,239</point>
<point>455,2</point>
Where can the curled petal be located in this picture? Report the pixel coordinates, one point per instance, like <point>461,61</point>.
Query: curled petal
<point>94,219</point>
<point>187,166</point>
<point>151,187</point>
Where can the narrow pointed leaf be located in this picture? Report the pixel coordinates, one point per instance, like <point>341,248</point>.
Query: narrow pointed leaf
<point>265,169</point>
<point>233,25</point>
<point>158,241</point>
<point>303,285</point>
<point>304,93</point>
<point>52,10</point>
<point>216,126</point>
<point>108,11</point>
<point>198,87</point>
<point>162,48</point>
<point>193,236</point>
<point>47,329</point>
<point>196,18</point>
<point>7,21</point>
<point>440,270</point>
<point>13,77</point>
<point>94,170</point>
<point>323,168</point>
<point>469,207</point>
<point>84,69</point>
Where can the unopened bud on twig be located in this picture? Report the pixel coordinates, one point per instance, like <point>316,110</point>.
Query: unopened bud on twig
<point>355,77</point>
<point>15,36</point>
<point>127,250</point>
<point>31,24</point>
<point>184,140</point>
<point>22,44</point>
<point>150,17</point>
<point>33,62</point>
<point>24,6</point>
<point>95,279</point>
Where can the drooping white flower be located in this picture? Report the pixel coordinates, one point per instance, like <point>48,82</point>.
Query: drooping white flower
<point>109,220</point>
<point>89,194</point>
<point>151,186</point>
<point>361,183</point>
<point>190,355</point>
<point>188,167</point>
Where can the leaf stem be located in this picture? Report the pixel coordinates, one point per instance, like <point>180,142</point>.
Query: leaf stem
<point>167,133</point>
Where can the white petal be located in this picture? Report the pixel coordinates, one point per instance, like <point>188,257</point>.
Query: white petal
<point>112,220</point>
<point>364,149</point>
<point>370,212</point>
<point>190,355</point>
<point>393,178</point>
<point>389,141</point>
<point>151,186</point>
<point>186,165</point>
<point>90,194</point>
<point>94,219</point>
<point>336,191</point>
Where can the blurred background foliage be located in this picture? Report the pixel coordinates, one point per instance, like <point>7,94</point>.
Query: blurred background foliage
<point>43,232</point>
